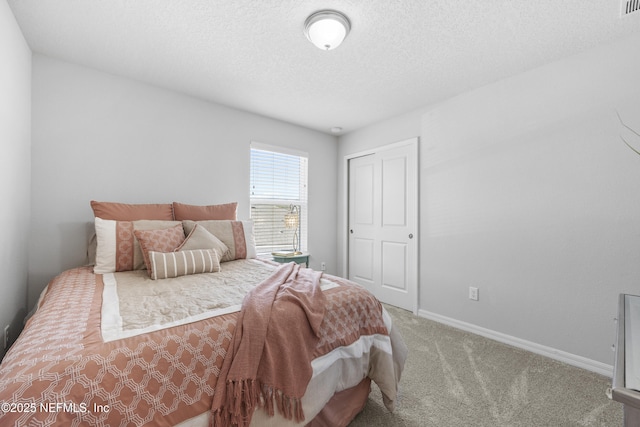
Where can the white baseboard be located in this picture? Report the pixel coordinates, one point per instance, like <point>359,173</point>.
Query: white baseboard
<point>562,356</point>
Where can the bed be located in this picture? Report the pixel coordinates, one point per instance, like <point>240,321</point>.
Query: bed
<point>111,346</point>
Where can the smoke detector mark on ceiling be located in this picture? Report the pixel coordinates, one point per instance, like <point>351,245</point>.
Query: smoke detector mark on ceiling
<point>628,7</point>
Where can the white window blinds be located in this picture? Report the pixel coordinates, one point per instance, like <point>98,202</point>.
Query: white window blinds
<point>278,181</point>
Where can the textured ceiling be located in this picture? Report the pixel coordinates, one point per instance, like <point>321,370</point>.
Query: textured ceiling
<point>252,54</point>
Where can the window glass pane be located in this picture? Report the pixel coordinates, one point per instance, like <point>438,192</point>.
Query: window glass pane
<point>269,228</point>
<point>278,181</point>
<point>275,176</point>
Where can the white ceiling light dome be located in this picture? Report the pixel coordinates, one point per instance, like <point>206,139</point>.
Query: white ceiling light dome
<point>327,29</point>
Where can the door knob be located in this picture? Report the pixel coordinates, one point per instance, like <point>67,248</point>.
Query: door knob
<point>411,236</point>
<point>351,231</point>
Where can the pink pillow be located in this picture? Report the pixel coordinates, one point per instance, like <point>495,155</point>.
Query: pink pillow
<point>165,265</point>
<point>117,248</point>
<point>127,212</point>
<point>226,211</point>
<point>159,240</point>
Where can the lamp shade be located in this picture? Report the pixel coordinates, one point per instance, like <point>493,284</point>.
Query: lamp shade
<point>327,29</point>
<point>291,220</point>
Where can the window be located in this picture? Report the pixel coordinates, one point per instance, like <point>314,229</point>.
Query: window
<point>278,184</point>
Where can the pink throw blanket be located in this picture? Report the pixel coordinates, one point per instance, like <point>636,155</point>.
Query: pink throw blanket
<point>268,363</point>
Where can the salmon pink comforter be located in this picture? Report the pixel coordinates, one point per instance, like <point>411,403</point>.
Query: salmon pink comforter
<point>63,372</point>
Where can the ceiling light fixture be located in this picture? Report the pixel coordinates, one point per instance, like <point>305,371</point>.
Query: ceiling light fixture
<point>327,29</point>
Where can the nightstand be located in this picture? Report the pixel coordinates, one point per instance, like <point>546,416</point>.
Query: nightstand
<point>303,258</point>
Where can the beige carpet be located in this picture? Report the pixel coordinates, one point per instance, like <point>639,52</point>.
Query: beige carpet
<point>454,378</point>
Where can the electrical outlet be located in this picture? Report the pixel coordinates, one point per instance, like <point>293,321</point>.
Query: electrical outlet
<point>473,293</point>
<point>6,336</point>
<point>323,266</point>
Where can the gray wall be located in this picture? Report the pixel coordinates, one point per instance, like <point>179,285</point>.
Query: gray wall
<point>103,137</point>
<point>528,193</point>
<point>15,170</point>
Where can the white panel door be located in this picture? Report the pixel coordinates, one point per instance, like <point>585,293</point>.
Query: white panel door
<point>362,214</point>
<point>383,223</point>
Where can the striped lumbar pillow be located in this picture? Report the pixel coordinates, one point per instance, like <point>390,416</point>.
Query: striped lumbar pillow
<point>165,265</point>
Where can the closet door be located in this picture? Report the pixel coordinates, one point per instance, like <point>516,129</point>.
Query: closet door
<point>383,223</point>
<point>363,221</point>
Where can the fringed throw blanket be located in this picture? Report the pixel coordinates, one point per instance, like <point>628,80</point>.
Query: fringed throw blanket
<point>269,359</point>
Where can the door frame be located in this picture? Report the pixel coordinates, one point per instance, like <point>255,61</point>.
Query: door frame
<point>413,143</point>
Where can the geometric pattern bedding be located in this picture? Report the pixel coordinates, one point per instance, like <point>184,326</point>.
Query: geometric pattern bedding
<point>62,372</point>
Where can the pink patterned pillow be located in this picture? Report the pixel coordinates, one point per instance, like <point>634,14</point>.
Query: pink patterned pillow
<point>174,264</point>
<point>117,248</point>
<point>160,240</point>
